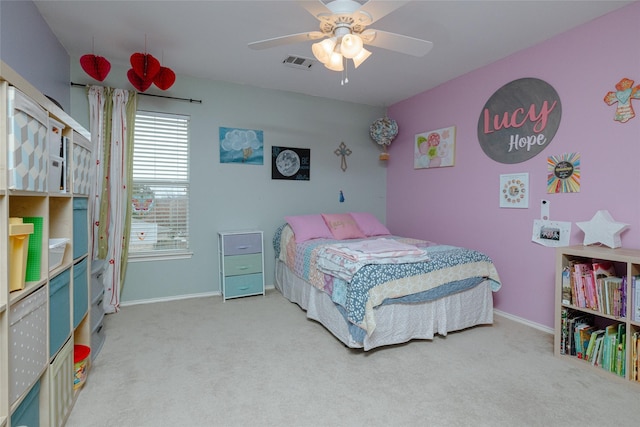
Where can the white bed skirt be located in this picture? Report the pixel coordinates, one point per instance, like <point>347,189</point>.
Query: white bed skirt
<point>395,323</point>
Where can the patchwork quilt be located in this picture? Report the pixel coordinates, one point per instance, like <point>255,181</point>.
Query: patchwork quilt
<point>417,271</point>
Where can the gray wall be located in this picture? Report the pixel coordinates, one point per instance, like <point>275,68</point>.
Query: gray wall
<point>29,47</point>
<point>224,196</point>
<point>236,196</point>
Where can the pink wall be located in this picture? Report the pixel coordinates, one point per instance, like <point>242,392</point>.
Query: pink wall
<point>459,205</point>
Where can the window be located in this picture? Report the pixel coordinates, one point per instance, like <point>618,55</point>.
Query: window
<point>160,194</point>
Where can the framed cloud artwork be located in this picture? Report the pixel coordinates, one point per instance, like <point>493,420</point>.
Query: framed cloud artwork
<point>241,146</point>
<point>435,148</point>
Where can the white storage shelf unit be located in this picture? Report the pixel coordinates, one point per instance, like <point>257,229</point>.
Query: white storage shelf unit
<point>45,159</point>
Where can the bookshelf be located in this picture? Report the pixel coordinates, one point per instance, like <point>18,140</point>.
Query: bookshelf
<point>604,309</point>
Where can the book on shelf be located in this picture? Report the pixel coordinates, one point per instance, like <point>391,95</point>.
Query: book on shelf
<point>589,355</point>
<point>613,290</point>
<point>620,350</point>
<point>568,329</point>
<point>634,355</point>
<point>580,283</point>
<point>596,357</point>
<point>614,351</point>
<point>582,333</point>
<point>567,297</point>
<point>635,299</point>
<point>593,284</point>
<point>563,329</point>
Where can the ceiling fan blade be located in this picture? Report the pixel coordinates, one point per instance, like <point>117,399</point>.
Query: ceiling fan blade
<point>284,40</point>
<point>380,9</point>
<point>315,7</point>
<point>396,42</point>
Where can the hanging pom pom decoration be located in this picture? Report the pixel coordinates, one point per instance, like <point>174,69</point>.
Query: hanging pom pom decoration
<point>95,66</point>
<point>137,82</point>
<point>165,78</point>
<point>144,70</point>
<point>145,65</point>
<point>383,131</point>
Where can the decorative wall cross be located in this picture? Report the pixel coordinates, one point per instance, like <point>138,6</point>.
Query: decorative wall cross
<point>625,92</point>
<point>343,151</point>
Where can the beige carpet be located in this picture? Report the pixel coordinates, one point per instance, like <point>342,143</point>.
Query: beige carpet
<point>258,361</point>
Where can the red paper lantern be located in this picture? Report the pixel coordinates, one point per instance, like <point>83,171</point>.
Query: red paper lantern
<point>145,65</point>
<point>95,66</point>
<point>139,83</point>
<point>165,78</point>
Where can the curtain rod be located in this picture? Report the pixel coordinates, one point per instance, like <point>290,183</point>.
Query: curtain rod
<point>199,101</point>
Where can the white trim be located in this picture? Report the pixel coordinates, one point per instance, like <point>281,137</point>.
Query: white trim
<point>218,293</point>
<point>159,256</point>
<point>169,298</point>
<point>534,325</point>
<point>177,297</point>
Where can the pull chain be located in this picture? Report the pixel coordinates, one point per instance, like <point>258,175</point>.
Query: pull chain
<point>345,72</point>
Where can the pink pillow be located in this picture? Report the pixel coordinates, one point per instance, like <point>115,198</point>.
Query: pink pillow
<point>369,224</point>
<point>343,226</point>
<point>307,227</point>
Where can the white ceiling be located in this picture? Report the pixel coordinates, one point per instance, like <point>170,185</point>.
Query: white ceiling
<point>208,39</point>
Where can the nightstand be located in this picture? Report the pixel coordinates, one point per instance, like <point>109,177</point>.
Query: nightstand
<point>241,263</point>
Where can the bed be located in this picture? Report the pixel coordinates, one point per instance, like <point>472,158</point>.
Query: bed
<point>370,288</point>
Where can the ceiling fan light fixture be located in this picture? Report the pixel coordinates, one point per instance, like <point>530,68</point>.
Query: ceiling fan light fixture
<point>361,57</point>
<point>351,45</point>
<point>335,62</point>
<point>324,49</point>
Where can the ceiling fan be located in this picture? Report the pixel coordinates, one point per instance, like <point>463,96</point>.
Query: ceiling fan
<point>343,28</point>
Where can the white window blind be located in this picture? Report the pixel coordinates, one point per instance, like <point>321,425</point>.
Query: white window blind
<point>160,195</point>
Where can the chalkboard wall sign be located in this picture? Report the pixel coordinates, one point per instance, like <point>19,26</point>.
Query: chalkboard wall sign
<point>291,163</point>
<point>519,120</point>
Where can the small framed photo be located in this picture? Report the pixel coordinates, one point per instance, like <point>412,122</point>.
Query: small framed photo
<point>514,190</point>
<point>551,233</point>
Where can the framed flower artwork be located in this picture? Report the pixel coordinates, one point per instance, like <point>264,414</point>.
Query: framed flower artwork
<point>435,148</point>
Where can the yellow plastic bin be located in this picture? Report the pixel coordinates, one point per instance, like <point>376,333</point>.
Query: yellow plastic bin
<point>18,251</point>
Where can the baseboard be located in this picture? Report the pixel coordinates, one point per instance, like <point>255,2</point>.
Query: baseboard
<point>177,297</point>
<point>268,287</point>
<point>535,325</point>
<point>171,298</point>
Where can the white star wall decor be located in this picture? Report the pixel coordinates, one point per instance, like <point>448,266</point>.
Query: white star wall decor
<point>602,229</point>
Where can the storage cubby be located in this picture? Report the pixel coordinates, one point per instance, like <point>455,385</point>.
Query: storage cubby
<point>32,209</point>
<point>596,325</point>
<point>42,320</point>
<point>61,227</point>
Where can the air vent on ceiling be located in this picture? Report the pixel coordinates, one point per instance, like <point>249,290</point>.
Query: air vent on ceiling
<point>298,62</point>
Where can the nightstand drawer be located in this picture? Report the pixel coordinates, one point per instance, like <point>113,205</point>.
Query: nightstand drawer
<point>239,286</point>
<point>239,244</point>
<point>242,264</point>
